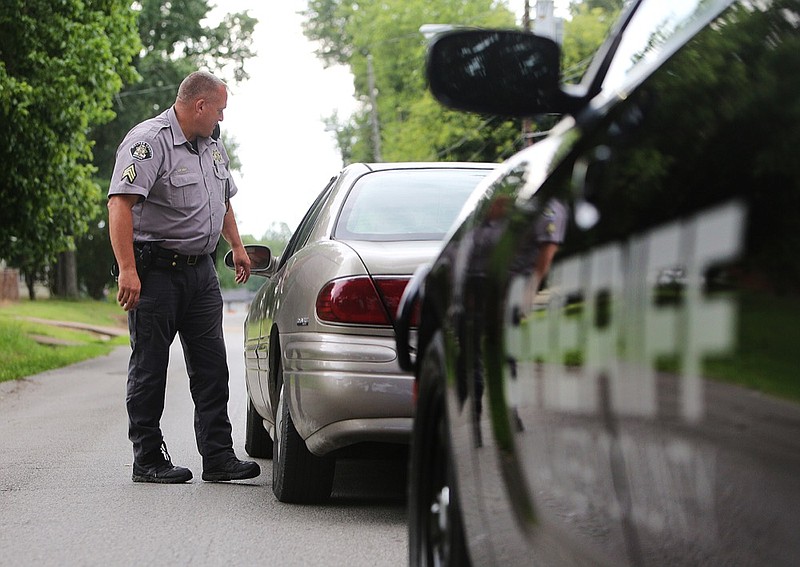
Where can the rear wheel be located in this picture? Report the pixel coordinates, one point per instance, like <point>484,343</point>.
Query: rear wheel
<point>436,533</point>
<point>257,441</point>
<point>298,476</point>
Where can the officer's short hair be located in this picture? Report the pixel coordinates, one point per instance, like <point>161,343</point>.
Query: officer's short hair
<point>197,85</point>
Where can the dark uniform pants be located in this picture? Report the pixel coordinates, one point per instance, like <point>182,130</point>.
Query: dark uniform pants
<point>187,301</point>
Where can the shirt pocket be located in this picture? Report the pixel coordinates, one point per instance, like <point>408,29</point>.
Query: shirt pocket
<point>222,176</point>
<point>186,190</point>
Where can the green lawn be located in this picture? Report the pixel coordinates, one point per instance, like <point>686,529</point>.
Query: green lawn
<point>766,355</point>
<point>23,355</point>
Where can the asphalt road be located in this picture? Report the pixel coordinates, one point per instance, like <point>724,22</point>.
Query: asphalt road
<point>66,496</point>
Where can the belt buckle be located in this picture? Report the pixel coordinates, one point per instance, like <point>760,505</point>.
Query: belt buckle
<point>191,260</point>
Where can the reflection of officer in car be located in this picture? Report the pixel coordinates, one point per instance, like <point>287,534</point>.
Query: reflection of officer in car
<point>548,234</point>
<point>168,204</point>
<point>550,229</point>
<point>530,265</point>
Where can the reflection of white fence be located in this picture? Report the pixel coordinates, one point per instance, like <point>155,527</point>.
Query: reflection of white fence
<point>638,330</point>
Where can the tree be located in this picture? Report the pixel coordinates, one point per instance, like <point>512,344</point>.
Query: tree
<point>584,32</point>
<point>413,126</point>
<point>176,41</point>
<point>60,65</point>
<point>388,31</point>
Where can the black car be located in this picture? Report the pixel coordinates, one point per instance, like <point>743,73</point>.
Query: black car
<point>636,400</point>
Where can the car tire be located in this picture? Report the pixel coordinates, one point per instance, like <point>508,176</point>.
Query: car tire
<point>257,442</point>
<point>436,533</point>
<point>298,476</point>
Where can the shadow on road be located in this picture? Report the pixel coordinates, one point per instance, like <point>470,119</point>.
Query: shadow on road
<point>361,482</point>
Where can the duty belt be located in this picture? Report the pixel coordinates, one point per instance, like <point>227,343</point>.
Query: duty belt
<point>166,258</point>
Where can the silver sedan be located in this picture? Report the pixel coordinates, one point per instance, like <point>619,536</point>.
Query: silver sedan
<point>321,366</point>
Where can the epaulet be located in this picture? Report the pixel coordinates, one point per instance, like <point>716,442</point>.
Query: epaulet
<point>150,128</point>
<point>141,140</point>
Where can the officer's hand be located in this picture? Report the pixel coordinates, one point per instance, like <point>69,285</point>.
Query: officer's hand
<point>241,262</point>
<point>129,289</point>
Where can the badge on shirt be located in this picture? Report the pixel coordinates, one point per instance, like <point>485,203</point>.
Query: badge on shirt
<point>129,173</point>
<point>217,155</point>
<point>141,151</point>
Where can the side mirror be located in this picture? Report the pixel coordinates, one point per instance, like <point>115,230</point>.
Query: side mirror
<point>502,72</point>
<point>260,258</point>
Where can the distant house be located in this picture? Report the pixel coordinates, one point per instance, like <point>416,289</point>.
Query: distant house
<point>9,283</point>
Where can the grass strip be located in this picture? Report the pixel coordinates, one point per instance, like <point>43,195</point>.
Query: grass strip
<point>23,355</point>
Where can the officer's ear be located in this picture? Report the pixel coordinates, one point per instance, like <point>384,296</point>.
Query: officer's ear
<point>216,132</point>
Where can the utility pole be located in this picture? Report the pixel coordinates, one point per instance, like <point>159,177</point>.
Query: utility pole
<point>373,101</point>
<point>527,123</point>
<point>545,25</point>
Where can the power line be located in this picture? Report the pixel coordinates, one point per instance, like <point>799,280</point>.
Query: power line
<point>465,138</point>
<point>147,90</point>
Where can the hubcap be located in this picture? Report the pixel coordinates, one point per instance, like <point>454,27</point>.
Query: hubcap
<point>440,526</point>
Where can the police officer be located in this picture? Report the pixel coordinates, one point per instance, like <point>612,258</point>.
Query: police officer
<point>168,203</point>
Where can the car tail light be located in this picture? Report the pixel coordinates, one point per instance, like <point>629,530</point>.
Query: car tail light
<point>361,300</point>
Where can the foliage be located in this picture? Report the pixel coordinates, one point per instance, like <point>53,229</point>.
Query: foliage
<point>584,32</point>
<point>457,137</point>
<point>276,237</point>
<point>347,32</point>
<point>176,41</point>
<point>413,126</point>
<point>609,6</point>
<point>96,257</point>
<point>60,65</point>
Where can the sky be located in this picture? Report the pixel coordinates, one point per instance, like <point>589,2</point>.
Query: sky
<point>276,118</point>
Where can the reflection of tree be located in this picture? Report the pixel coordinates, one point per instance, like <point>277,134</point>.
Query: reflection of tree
<point>704,129</point>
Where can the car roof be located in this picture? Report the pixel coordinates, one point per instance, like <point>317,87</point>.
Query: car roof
<point>382,166</point>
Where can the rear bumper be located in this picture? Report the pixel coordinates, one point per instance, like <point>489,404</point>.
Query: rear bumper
<point>346,389</point>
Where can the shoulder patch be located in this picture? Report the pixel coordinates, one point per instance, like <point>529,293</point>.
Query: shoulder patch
<point>141,151</point>
<point>129,173</point>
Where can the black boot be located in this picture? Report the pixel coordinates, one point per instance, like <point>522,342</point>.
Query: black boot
<point>232,469</point>
<point>162,471</point>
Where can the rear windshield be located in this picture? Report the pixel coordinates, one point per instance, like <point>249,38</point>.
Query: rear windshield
<point>409,204</point>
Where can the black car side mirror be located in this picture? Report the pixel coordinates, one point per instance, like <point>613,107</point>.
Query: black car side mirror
<point>502,72</point>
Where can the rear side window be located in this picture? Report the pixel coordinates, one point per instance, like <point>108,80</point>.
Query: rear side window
<point>300,236</point>
<point>411,204</point>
